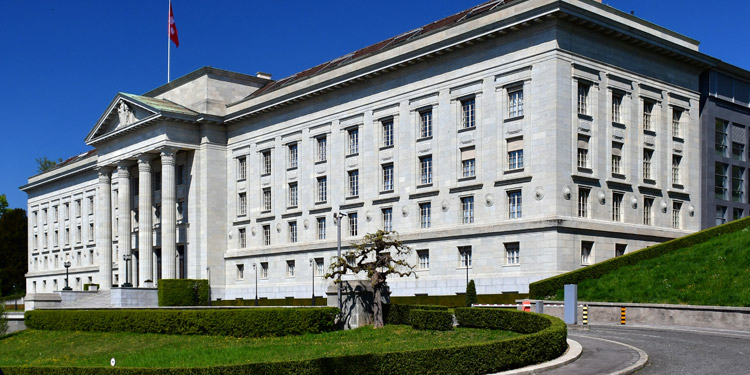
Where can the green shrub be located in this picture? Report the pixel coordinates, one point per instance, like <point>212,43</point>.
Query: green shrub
<point>87,286</point>
<point>471,294</point>
<point>3,319</point>
<point>548,288</point>
<point>223,322</point>
<point>437,320</point>
<point>183,292</point>
<point>399,314</point>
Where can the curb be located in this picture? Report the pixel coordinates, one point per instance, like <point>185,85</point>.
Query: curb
<point>573,353</point>
<point>639,364</point>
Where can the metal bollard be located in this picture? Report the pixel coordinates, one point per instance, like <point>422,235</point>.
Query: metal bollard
<point>622,316</point>
<point>585,315</point>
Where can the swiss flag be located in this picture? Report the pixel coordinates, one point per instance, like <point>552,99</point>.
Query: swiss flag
<point>173,28</point>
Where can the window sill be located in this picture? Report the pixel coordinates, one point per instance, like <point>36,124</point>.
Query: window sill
<point>352,197</point>
<point>467,129</point>
<point>585,170</point>
<point>618,176</point>
<point>265,174</point>
<point>352,155</point>
<point>511,265</point>
<point>423,186</point>
<point>321,162</point>
<point>386,147</point>
<point>386,192</point>
<point>291,169</point>
<point>584,116</point>
<point>649,132</point>
<point>424,139</point>
<point>618,125</point>
<point>513,171</point>
<point>678,138</point>
<point>512,119</point>
<point>468,178</point>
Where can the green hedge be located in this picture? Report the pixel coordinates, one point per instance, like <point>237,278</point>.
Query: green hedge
<point>545,344</point>
<point>548,288</point>
<point>458,300</point>
<point>437,320</point>
<point>224,322</point>
<point>399,314</point>
<point>87,286</point>
<point>183,292</point>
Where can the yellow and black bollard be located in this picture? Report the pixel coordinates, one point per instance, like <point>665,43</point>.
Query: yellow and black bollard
<point>622,316</point>
<point>585,315</point>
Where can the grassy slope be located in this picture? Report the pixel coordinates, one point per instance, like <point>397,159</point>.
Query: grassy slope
<point>715,272</point>
<point>53,348</point>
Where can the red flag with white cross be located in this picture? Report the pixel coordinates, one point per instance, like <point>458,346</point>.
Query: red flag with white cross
<point>173,28</point>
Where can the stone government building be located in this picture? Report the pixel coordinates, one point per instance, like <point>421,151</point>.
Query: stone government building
<point>520,139</point>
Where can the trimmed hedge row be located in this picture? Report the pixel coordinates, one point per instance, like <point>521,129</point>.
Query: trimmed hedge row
<point>545,344</point>
<point>224,322</point>
<point>437,320</point>
<point>399,314</point>
<point>183,292</point>
<point>549,287</point>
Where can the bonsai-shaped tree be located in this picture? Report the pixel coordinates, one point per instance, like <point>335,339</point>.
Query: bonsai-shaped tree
<point>380,255</point>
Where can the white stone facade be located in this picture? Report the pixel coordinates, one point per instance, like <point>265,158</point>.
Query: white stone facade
<point>494,135</point>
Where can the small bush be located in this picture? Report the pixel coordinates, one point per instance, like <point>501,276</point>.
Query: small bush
<point>87,286</point>
<point>224,322</point>
<point>3,319</point>
<point>183,292</point>
<point>471,294</point>
<point>399,314</point>
<point>437,320</point>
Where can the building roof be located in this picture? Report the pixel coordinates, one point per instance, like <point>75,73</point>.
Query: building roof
<point>381,46</point>
<point>161,105</point>
<point>67,161</point>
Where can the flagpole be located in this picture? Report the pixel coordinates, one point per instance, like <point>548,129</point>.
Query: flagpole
<point>169,30</point>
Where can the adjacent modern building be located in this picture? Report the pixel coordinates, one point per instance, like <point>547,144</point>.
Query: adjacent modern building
<point>514,141</point>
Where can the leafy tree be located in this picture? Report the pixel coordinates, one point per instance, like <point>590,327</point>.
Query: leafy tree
<point>44,164</point>
<point>380,255</point>
<point>13,251</point>
<point>471,294</point>
<point>3,204</point>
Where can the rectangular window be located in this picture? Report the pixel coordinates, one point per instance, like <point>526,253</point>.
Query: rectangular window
<point>353,224</point>
<point>243,238</point>
<point>425,215</point>
<point>67,236</point>
<point>322,154</point>
<point>91,209</point>
<point>78,208</point>
<point>240,272</point>
<point>647,156</point>
<point>676,217</point>
<point>720,134</point>
<point>292,231</point>
<point>515,102</point>
<point>583,151</point>
<point>321,228</point>
<point>322,189</point>
<point>720,181</point>
<point>293,156</point>
<point>514,204</point>
<point>617,206</point>
<point>648,205</point>
<point>583,98</point>
<point>676,119</point>
<point>319,267</point>
<point>91,232</point>
<point>263,270</point>
<point>468,113</point>
<point>266,160</point>
<point>266,235</point>
<point>737,213</point>
<point>738,151</point>
<point>617,108</point>
<point>388,177</point>
<point>425,123</point>
<point>648,108</point>
<point>676,160</point>
<point>512,251</point>
<point>290,268</point>
<point>468,161</point>
<point>424,259</point>
<point>387,219</point>
<point>387,126</point>
<point>241,204</point>
<point>353,183</point>
<point>583,201</point>
<point>515,153</point>
<point>620,249</point>
<point>721,215</point>
<point>425,169</point>
<point>55,238</point>
<point>180,174</point>
<point>293,195</point>
<point>78,234</point>
<point>267,199</point>
<point>353,141</point>
<point>467,210</point>
<point>66,210</point>
<point>55,214</point>
<point>241,168</point>
<point>616,158</point>
<point>586,248</point>
<point>738,184</point>
<point>464,256</point>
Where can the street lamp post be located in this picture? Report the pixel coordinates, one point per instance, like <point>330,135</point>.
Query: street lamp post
<point>127,258</point>
<point>67,267</point>
<point>338,216</point>
<point>255,268</point>
<point>312,271</point>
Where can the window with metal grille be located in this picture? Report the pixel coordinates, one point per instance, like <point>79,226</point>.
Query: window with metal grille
<point>387,219</point>
<point>322,189</point>
<point>512,253</point>
<point>353,140</point>
<point>387,126</point>
<point>425,169</point>
<point>467,210</point>
<point>388,177</point>
<point>425,123</point>
<point>293,156</point>
<point>515,102</point>
<point>353,183</point>
<point>321,228</point>
<point>266,162</point>
<point>514,204</point>
<point>425,215</point>
<point>468,113</point>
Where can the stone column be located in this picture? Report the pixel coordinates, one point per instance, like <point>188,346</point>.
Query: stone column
<point>168,214</point>
<point>123,230</point>
<point>104,227</point>
<point>145,221</point>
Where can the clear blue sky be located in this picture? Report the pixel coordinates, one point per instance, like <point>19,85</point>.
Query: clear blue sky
<point>62,62</point>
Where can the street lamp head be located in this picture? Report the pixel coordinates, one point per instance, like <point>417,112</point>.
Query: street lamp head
<point>312,261</point>
<point>254,266</point>
<point>66,264</point>
<point>126,257</point>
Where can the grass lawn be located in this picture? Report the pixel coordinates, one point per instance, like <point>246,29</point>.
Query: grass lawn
<point>715,272</point>
<point>61,348</point>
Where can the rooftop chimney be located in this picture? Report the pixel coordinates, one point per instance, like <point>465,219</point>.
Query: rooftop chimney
<point>263,75</point>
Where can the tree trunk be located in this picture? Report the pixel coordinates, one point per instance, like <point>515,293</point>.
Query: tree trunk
<point>378,307</point>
